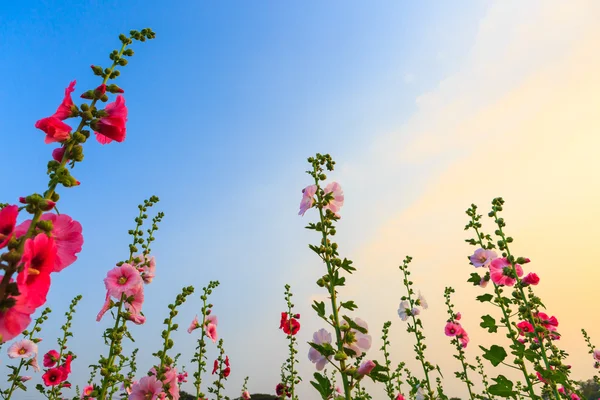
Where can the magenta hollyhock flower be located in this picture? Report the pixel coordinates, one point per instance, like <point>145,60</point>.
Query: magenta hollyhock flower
<point>501,272</point>
<point>452,328</point>
<point>530,279</point>
<point>148,388</point>
<point>67,236</point>
<point>400,397</point>
<point>124,279</point>
<point>319,337</point>
<point>112,126</point>
<point>458,316</point>
<point>482,258</point>
<point>338,198</point>
<point>574,396</point>
<point>550,323</point>
<point>525,327</point>
<point>53,377</point>
<point>24,348</point>
<point>8,220</point>
<point>194,325</point>
<point>308,200</point>
<point>65,108</point>
<point>365,368</point>
<point>182,377</point>
<point>54,128</point>
<point>58,154</point>
<point>597,354</point>
<point>561,390</point>
<point>38,262</point>
<point>463,337</point>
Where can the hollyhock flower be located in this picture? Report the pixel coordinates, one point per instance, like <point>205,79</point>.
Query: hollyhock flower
<point>137,319</point>
<point>66,367</point>
<point>561,390</point>
<point>422,302</point>
<point>38,262</point>
<point>171,381</point>
<point>226,372</point>
<point>182,377</point>
<point>58,154</point>
<point>365,368</point>
<point>482,258</point>
<point>194,325</point>
<point>211,332</point>
<point>215,367</point>
<point>483,283</point>
<point>8,220</point>
<point>502,272</point>
<point>291,327</point>
<point>245,395</point>
<point>597,354</point>
<point>53,377</point>
<point>54,128</point>
<point>211,319</point>
<point>123,279</point>
<point>458,316</point>
<point>362,341</point>
<point>67,236</point>
<point>463,337</point>
<point>420,395</point>
<point>87,390</point>
<point>402,310</point>
<point>400,397</point>
<point>525,327</point>
<point>64,110</point>
<point>574,396</point>
<point>530,279</point>
<point>308,200</point>
<point>338,198</point>
<point>25,378</point>
<point>22,349</point>
<point>147,267</point>
<point>34,364</point>
<point>14,320</point>
<point>415,311</point>
<point>105,307</point>
<point>549,323</point>
<point>135,300</point>
<point>280,389</point>
<point>112,126</point>
<point>148,388</point>
<point>452,329</point>
<point>319,337</point>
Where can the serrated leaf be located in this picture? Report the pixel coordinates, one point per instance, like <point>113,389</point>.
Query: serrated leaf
<point>349,305</point>
<point>495,354</point>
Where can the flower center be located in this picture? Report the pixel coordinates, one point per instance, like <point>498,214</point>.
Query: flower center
<point>122,280</point>
<point>22,351</point>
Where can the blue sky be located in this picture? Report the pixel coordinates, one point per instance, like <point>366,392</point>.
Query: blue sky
<point>224,107</point>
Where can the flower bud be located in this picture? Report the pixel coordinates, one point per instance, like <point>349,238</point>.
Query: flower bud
<point>340,356</point>
<point>97,70</point>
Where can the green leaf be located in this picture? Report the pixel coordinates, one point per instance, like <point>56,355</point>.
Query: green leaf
<point>349,305</point>
<point>475,279</point>
<point>323,385</point>
<point>495,354</point>
<point>319,307</point>
<point>502,387</point>
<point>485,297</point>
<point>489,323</point>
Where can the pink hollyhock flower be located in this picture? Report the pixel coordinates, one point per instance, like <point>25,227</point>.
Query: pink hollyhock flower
<point>34,364</point>
<point>502,272</point>
<point>226,372</point>
<point>25,378</point>
<point>549,323</point>
<point>211,319</point>
<point>482,258</point>
<point>415,311</point>
<point>65,109</point>
<point>22,349</point>
<point>112,127</point>
<point>458,316</point>
<point>8,220</point>
<point>137,319</point>
<point>135,300</point>
<point>402,310</point>
<point>87,390</point>
<point>463,337</point>
<point>211,332</point>
<point>66,367</point>
<point>58,154</point>
<point>54,128</point>
<point>319,337</point>
<point>14,320</point>
<point>194,325</point>
<point>561,390</point>
<point>308,200</point>
<point>38,262</point>
<point>525,327</point>
<point>483,283</point>
<point>124,279</point>
<point>338,198</point>
<point>452,329</point>
<point>53,377</point>
<point>245,395</point>
<point>597,354</point>
<point>400,397</point>
<point>148,388</point>
<point>215,367</point>
<point>147,267</point>
<point>574,396</point>
<point>182,378</point>
<point>66,233</point>
<point>362,341</point>
<point>105,307</point>
<point>530,279</point>
<point>170,380</point>
<point>365,368</point>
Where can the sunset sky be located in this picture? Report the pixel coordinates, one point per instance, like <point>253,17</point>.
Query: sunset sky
<point>426,107</point>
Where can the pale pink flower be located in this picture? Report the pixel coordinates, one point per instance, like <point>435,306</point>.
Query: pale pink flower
<point>211,332</point>
<point>482,258</point>
<point>483,282</point>
<point>24,348</point>
<point>338,198</point>
<point>319,337</point>
<point>404,310</point>
<point>365,368</point>
<point>146,266</point>
<point>123,279</point>
<point>135,300</point>
<point>415,311</point>
<point>308,200</point>
<point>194,325</point>
<point>597,354</point>
<point>362,341</point>
<point>148,388</point>
<point>34,364</point>
<point>137,319</point>
<point>422,302</point>
<point>211,319</point>
<point>501,272</point>
<point>105,307</point>
<point>171,380</point>
<point>25,378</point>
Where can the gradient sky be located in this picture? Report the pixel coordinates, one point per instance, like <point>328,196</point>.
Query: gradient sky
<point>427,107</point>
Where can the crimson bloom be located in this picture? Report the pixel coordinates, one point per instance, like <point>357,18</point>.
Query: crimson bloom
<point>530,279</point>
<point>8,220</point>
<point>38,262</point>
<point>525,327</point>
<point>112,126</point>
<point>53,377</point>
<point>50,358</point>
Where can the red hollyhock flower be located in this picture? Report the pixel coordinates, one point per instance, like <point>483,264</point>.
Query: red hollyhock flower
<point>50,358</point>
<point>291,327</point>
<point>226,372</point>
<point>215,366</point>
<point>38,260</point>
<point>53,377</point>
<point>64,110</point>
<point>54,128</point>
<point>8,220</point>
<point>112,127</point>
<point>284,318</point>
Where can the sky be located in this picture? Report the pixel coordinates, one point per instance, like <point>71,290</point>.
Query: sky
<point>426,107</point>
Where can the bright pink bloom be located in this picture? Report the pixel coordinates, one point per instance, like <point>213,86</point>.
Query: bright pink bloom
<point>549,323</point>
<point>561,390</point>
<point>14,320</point>
<point>38,262</point>
<point>399,397</point>
<point>458,316</point>
<point>54,128</point>
<point>245,395</point>
<point>463,337</point>
<point>50,359</point>
<point>482,258</point>
<point>452,328</point>
<point>525,327</point>
<point>8,220</point>
<point>64,110</point>
<point>112,127</point>
<point>211,332</point>
<point>171,381</point>
<point>124,279</point>
<point>597,354</point>
<point>531,279</point>
<point>87,390</point>
<point>194,325</point>
<point>137,319</point>
<point>502,272</point>
<point>53,377</point>
<point>58,154</point>
<point>574,396</point>
<point>24,348</point>
<point>338,198</point>
<point>182,378</point>
<point>148,388</point>
<point>319,337</point>
<point>308,200</point>
<point>365,368</point>
<point>66,367</point>
<point>135,300</point>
